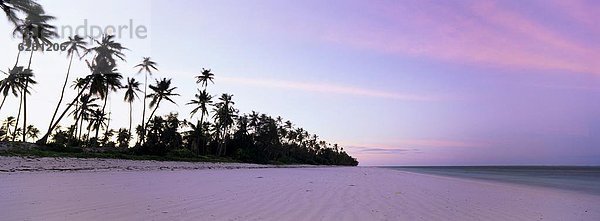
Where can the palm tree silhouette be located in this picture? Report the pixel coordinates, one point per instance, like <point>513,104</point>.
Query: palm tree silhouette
<point>202,100</point>
<point>146,66</point>
<point>13,83</point>
<point>106,77</point>
<point>97,120</point>
<point>205,77</point>
<point>6,125</point>
<point>162,91</point>
<point>123,137</point>
<point>35,32</point>
<point>84,111</point>
<point>224,119</point>
<point>13,8</point>
<point>73,45</point>
<point>32,132</point>
<point>132,88</point>
<point>18,79</point>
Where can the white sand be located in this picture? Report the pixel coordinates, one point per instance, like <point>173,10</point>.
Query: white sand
<point>32,164</point>
<point>279,194</point>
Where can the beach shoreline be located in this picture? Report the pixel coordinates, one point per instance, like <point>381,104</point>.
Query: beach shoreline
<point>302,193</point>
<point>66,164</point>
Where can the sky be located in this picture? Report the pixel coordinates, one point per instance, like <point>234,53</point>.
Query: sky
<point>394,82</point>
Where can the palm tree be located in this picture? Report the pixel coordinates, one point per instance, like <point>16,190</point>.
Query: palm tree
<point>12,8</point>
<point>132,88</point>
<point>123,137</point>
<point>146,66</point>
<point>97,121</point>
<point>224,119</point>
<point>7,124</point>
<point>35,32</point>
<point>13,83</point>
<point>162,91</point>
<point>202,100</point>
<point>73,45</point>
<point>106,77</point>
<point>32,132</point>
<point>84,111</point>
<point>24,77</point>
<point>205,77</point>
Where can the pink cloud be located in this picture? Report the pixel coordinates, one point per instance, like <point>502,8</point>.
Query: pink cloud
<point>484,34</point>
<point>328,88</point>
<point>580,11</point>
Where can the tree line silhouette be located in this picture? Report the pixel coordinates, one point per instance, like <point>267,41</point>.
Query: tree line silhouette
<point>220,130</point>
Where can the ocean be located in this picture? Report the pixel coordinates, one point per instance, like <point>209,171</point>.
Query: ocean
<point>577,178</point>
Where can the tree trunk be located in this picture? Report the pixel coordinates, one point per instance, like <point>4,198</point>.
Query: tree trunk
<point>18,118</point>
<point>88,135</point>
<point>130,117</point>
<point>200,134</point>
<point>18,56</point>
<point>144,111</point>
<point>80,127</point>
<point>44,139</point>
<point>3,99</point>
<point>103,108</point>
<point>62,94</point>
<point>25,98</point>
<point>152,114</point>
<point>75,129</point>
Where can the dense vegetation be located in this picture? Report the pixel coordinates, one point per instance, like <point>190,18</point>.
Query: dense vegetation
<point>219,129</point>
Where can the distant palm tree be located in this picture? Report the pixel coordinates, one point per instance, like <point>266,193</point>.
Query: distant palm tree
<point>202,100</point>
<point>123,138</point>
<point>162,91</point>
<point>73,45</point>
<point>146,66</point>
<point>6,125</point>
<point>97,121</point>
<point>132,88</point>
<point>32,132</point>
<point>205,77</point>
<point>224,119</point>
<point>87,106</point>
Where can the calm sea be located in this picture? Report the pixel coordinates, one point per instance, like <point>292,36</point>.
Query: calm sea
<point>577,178</point>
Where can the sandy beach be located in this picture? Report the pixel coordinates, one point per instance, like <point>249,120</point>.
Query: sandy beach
<point>251,193</point>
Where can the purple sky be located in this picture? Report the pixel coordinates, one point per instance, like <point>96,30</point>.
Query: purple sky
<point>396,82</point>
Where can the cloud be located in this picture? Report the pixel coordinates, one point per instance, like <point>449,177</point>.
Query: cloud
<point>375,150</point>
<point>482,33</point>
<point>326,88</point>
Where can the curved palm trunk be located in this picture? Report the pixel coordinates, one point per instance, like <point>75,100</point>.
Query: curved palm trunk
<point>62,94</point>
<point>44,139</point>
<point>18,56</point>
<point>75,128</point>
<point>152,114</point>
<point>103,109</point>
<point>88,136</point>
<point>130,117</point>
<point>18,118</point>
<point>144,111</point>
<point>25,98</point>
<point>3,99</point>
<point>80,127</point>
<point>200,134</point>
